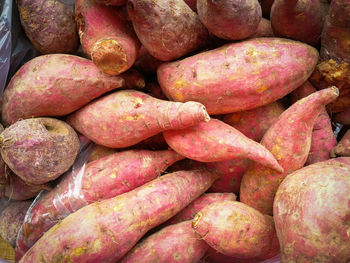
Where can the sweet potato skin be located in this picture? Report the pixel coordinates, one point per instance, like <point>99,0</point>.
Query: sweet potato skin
<point>126,218</point>
<point>240,76</point>
<point>343,147</point>
<point>99,152</point>
<point>264,29</point>
<point>310,227</point>
<point>49,24</point>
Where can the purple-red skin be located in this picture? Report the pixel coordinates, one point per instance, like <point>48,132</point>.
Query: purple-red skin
<point>107,36</point>
<point>113,226</point>
<point>192,4</point>
<point>289,140</point>
<point>172,244</point>
<point>323,138</point>
<point>104,178</point>
<point>215,141</point>
<point>312,213</point>
<point>343,147</point>
<point>54,85</point>
<point>213,256</point>
<point>146,63</point>
<point>167,29</point>
<point>343,117</point>
<point>230,19</point>
<point>300,20</point>
<point>264,29</point>
<point>111,2</point>
<point>133,79</point>
<point>126,117</point>
<point>240,76</point>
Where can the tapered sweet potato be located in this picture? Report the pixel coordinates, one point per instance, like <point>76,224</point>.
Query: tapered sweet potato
<point>289,140</point>
<point>239,76</point>
<point>216,141</point>
<point>49,24</point>
<point>343,117</point>
<point>102,179</point>
<point>112,227</point>
<point>167,29</point>
<point>311,213</point>
<point>124,118</point>
<point>343,147</point>
<point>172,244</point>
<point>106,36</point>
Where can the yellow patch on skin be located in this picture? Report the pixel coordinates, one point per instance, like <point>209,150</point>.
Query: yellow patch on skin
<point>78,251</point>
<point>146,162</point>
<point>113,175</point>
<point>129,118</point>
<point>178,96</point>
<point>97,245</point>
<point>262,89</point>
<point>276,152</point>
<point>104,127</point>
<point>118,207</point>
<point>176,256</point>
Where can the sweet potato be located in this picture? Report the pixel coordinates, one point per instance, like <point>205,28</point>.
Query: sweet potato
<point>156,91</point>
<point>289,140</point>
<point>3,173</point>
<point>39,150</point>
<point>216,141</point>
<point>239,76</point>
<point>111,2</point>
<point>343,147</point>
<point>11,220</point>
<point>311,213</point>
<point>106,36</point>
<point>343,117</point>
<point>126,117</point>
<point>104,178</point>
<point>133,79</point>
<point>49,24</point>
<point>235,229</point>
<point>145,62</point>
<point>54,85</point>
<point>264,29</point>
<point>156,142</point>
<point>172,244</point>
<point>99,152</point>
<point>167,29</point>
<point>230,19</point>
<point>112,227</point>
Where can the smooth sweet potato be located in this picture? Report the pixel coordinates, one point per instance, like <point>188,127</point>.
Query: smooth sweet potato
<point>312,213</point>
<point>39,150</point>
<point>289,140</point>
<point>49,25</point>
<point>343,117</point>
<point>126,117</point>
<point>112,227</point>
<point>343,147</point>
<point>239,76</point>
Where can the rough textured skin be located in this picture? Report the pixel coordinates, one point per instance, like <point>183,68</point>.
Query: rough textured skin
<point>239,76</point>
<point>126,117</point>
<point>112,227</point>
<point>312,213</point>
<point>172,244</point>
<point>343,147</point>
<point>106,36</point>
<point>323,138</point>
<point>264,29</point>
<point>216,141</point>
<point>167,29</point>
<point>54,85</point>
<point>11,220</point>
<point>297,19</point>
<point>230,19</point>
<point>102,179</point>
<point>235,229</point>
<point>49,24</point>
<point>99,152</point>
<point>289,140</point>
<point>343,117</point>
<point>39,150</point>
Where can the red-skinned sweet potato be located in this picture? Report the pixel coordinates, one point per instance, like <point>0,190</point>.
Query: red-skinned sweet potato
<point>99,152</point>
<point>264,29</point>
<point>289,140</point>
<point>3,174</point>
<point>126,117</point>
<point>112,227</point>
<point>239,76</point>
<point>311,213</point>
<point>343,117</point>
<point>343,147</point>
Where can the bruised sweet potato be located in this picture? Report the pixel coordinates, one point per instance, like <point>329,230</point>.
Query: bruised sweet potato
<point>49,24</point>
<point>126,117</point>
<point>240,76</point>
<point>343,147</point>
<point>343,117</point>
<point>112,227</point>
<point>39,150</point>
<point>289,140</point>
<point>167,29</point>
<point>312,213</point>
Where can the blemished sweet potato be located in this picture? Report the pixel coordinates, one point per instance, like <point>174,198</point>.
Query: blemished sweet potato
<point>264,29</point>
<point>343,117</point>
<point>235,229</point>
<point>230,19</point>
<point>106,36</point>
<point>215,141</point>
<point>102,179</point>
<point>126,117</point>
<point>343,147</point>
<point>289,140</point>
<point>311,213</point>
<point>167,29</point>
<point>172,244</point>
<point>11,220</point>
<point>240,76</point>
<point>54,85</point>
<point>39,150</point>
<point>49,25</point>
<point>112,227</point>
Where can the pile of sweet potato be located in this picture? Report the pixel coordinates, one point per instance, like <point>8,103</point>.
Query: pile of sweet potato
<point>185,131</point>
